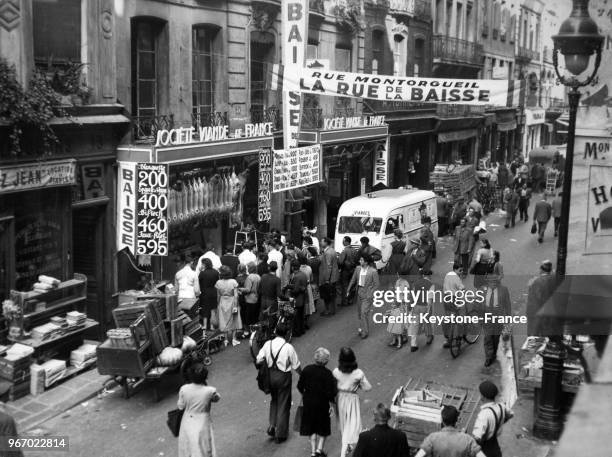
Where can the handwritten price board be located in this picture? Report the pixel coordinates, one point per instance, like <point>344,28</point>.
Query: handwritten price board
<point>297,167</point>
<point>152,209</point>
<point>265,180</point>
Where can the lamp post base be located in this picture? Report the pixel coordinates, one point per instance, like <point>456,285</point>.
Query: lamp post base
<point>549,422</point>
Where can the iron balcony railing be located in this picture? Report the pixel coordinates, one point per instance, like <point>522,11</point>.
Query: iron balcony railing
<point>317,7</point>
<point>527,55</point>
<point>455,50</point>
<point>413,8</point>
<point>212,119</point>
<point>312,118</point>
<point>144,128</point>
<point>267,114</point>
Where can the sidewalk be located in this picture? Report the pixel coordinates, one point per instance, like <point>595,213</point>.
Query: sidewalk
<point>31,410</point>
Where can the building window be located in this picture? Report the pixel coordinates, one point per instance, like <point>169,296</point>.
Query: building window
<point>262,57</point>
<point>378,52</point>
<point>202,70</point>
<point>145,36</point>
<point>343,62</point>
<point>419,57</point>
<point>399,56</point>
<point>312,51</point>
<point>57,31</point>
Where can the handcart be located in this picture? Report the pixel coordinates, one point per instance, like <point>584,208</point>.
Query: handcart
<point>416,408</point>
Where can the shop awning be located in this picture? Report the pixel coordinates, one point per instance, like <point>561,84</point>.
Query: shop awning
<point>506,126</point>
<point>358,135</point>
<point>90,120</point>
<point>458,135</point>
<point>193,152</point>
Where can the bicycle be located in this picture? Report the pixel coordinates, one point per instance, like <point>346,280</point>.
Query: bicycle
<point>265,329</point>
<point>468,332</point>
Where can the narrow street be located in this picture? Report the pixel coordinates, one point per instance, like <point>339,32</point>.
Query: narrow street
<point>116,427</point>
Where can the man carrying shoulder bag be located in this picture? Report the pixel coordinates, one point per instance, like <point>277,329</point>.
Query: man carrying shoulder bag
<point>280,358</point>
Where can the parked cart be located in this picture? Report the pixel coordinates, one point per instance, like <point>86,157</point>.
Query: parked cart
<point>416,408</point>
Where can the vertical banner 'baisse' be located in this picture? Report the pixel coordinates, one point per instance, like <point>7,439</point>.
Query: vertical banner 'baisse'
<point>381,164</point>
<point>294,21</point>
<point>126,207</point>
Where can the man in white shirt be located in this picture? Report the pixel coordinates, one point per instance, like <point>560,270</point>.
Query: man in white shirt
<point>247,256</point>
<point>275,256</point>
<point>214,258</point>
<point>281,359</point>
<point>491,417</point>
<point>454,284</point>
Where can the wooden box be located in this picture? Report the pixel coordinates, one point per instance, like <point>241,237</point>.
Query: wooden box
<point>14,369</point>
<point>126,314</point>
<point>124,362</point>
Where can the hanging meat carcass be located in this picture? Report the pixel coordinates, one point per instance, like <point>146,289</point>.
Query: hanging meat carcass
<point>179,202</point>
<point>228,192</point>
<point>171,205</point>
<point>194,197</point>
<point>204,195</point>
<point>239,189</point>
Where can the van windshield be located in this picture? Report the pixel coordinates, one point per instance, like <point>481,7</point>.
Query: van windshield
<point>359,224</point>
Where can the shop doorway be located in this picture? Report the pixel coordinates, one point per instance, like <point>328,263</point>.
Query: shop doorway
<point>88,259</point>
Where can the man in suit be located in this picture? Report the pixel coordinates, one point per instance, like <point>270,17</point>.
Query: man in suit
<point>464,243</point>
<point>459,211</point>
<point>366,279</point>
<point>347,261</point>
<point>382,440</point>
<point>511,201</point>
<point>523,204</point>
<point>328,277</point>
<point>542,214</point>
<point>369,250</point>
<point>539,290</point>
<point>297,288</point>
<point>556,211</point>
<point>496,303</point>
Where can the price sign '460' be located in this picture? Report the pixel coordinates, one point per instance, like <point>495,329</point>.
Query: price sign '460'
<point>152,209</point>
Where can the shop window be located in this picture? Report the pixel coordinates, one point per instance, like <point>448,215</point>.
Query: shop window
<point>399,56</point>
<point>40,243</point>
<point>146,34</point>
<point>262,57</point>
<point>57,31</point>
<point>202,80</point>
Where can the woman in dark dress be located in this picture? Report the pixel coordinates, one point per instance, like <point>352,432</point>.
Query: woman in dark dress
<point>398,247</point>
<point>318,388</point>
<point>208,298</point>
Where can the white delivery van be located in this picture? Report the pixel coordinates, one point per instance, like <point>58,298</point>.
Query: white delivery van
<point>377,214</point>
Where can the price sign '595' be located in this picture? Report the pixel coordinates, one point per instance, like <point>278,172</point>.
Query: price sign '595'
<point>152,208</point>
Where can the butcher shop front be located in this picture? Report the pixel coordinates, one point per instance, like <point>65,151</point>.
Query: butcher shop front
<point>209,177</point>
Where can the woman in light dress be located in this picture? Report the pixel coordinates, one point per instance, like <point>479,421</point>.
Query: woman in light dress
<point>399,309</point>
<point>310,308</point>
<point>195,398</point>
<point>227,304</point>
<point>350,380</point>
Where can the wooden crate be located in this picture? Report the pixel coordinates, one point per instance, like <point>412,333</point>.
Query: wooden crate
<point>127,313</point>
<point>159,338</point>
<point>14,369</point>
<point>176,332</point>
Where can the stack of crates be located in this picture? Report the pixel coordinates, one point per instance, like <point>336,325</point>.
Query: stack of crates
<point>17,373</point>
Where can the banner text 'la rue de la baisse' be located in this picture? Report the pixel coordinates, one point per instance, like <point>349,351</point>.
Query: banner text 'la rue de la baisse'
<point>422,90</point>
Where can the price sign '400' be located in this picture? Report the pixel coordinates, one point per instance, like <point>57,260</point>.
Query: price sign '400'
<point>152,209</point>
<point>264,213</point>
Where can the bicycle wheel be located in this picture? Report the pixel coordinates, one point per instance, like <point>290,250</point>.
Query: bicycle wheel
<point>455,341</point>
<point>472,330</point>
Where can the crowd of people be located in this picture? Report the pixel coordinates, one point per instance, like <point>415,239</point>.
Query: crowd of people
<point>235,291</point>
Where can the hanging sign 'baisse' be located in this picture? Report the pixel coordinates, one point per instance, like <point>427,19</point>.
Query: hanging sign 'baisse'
<point>426,90</point>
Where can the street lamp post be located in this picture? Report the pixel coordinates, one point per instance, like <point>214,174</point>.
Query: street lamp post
<point>577,40</point>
